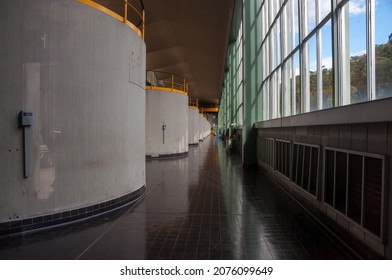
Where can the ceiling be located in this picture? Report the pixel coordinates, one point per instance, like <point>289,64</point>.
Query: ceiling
<point>189,39</point>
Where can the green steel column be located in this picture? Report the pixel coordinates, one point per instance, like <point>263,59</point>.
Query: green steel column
<point>227,100</point>
<point>252,78</point>
<point>232,86</point>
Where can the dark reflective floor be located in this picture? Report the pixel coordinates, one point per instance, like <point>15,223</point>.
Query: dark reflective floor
<point>204,206</point>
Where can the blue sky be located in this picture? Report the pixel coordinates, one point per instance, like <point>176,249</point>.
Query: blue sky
<point>383,27</point>
<point>383,20</point>
<point>357,29</point>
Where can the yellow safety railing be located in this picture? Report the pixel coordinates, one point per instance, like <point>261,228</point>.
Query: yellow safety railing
<point>211,109</point>
<point>124,11</point>
<point>156,80</point>
<point>193,103</point>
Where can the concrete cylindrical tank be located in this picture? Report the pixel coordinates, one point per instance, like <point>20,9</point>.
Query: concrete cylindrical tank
<point>204,127</point>
<point>166,123</point>
<point>193,124</point>
<point>80,73</point>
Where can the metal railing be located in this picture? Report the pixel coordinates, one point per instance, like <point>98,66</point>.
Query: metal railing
<point>212,109</point>
<point>194,103</point>
<point>123,10</point>
<point>166,81</point>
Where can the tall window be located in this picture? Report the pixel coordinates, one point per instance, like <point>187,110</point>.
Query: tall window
<point>326,65</point>
<point>296,83</point>
<point>311,9</point>
<point>312,73</point>
<point>240,80</point>
<point>324,9</point>
<point>286,88</point>
<point>292,65</point>
<point>354,50</point>
<point>294,8</point>
<point>325,57</point>
<point>383,48</point>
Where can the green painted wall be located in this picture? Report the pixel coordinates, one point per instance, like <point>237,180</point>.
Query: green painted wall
<point>252,77</point>
<point>241,98</point>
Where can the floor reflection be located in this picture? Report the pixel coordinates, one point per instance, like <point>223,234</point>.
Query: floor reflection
<point>204,206</point>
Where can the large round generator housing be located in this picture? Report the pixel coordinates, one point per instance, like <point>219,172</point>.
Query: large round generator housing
<point>193,123</point>
<point>72,113</point>
<point>166,123</point>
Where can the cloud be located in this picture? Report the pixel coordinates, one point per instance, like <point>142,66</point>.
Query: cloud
<point>312,11</point>
<point>313,65</point>
<point>297,71</point>
<point>325,9</point>
<point>357,7</point>
<point>326,62</point>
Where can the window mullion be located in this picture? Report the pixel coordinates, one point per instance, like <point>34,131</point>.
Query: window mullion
<point>319,61</point>
<point>363,190</point>
<point>292,62</point>
<point>304,59</point>
<point>342,51</point>
<point>283,32</point>
<point>371,49</point>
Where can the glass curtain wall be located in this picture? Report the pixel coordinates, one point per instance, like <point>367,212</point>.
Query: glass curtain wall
<point>320,54</point>
<point>231,103</point>
<point>383,48</point>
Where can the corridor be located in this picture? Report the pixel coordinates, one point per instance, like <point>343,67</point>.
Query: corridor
<point>203,206</point>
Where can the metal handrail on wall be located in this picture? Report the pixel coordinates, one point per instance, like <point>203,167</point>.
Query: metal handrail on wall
<point>129,19</point>
<point>156,80</point>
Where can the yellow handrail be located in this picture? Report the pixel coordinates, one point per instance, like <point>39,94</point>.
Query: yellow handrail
<point>130,5</point>
<point>156,80</point>
<point>193,103</point>
<point>210,110</point>
<point>124,18</point>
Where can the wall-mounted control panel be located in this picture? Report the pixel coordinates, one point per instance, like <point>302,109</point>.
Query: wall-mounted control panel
<point>25,118</point>
<point>25,121</point>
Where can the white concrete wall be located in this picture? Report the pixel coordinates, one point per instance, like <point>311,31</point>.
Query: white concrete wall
<point>82,74</point>
<point>170,109</point>
<point>207,128</point>
<point>204,127</point>
<point>193,124</point>
<point>200,127</point>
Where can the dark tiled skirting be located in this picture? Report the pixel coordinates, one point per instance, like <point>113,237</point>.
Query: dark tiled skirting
<point>193,144</point>
<point>57,219</point>
<point>167,156</point>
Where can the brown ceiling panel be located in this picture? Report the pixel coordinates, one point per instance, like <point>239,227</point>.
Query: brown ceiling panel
<point>177,68</point>
<point>187,38</point>
<point>160,35</point>
<point>162,58</point>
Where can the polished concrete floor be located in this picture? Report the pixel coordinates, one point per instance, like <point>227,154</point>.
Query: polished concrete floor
<point>204,206</point>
